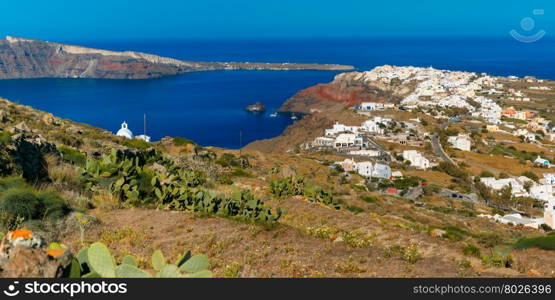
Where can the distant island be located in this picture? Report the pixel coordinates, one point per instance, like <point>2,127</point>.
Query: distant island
<point>256,107</point>
<point>29,58</point>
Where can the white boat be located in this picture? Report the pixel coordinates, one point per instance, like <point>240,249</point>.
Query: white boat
<point>274,114</point>
<point>293,117</point>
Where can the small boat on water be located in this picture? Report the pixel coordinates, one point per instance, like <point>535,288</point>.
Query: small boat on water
<point>256,107</point>
<point>273,115</point>
<point>293,117</point>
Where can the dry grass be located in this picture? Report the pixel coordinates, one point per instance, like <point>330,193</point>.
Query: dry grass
<point>105,201</point>
<point>500,136</point>
<point>433,177</point>
<point>492,163</point>
<point>530,147</point>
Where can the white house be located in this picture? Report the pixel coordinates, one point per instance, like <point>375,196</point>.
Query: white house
<point>497,184</point>
<point>375,106</point>
<point>397,174</point>
<point>340,128</point>
<point>461,142</point>
<point>369,105</point>
<point>347,140</point>
<point>143,137</point>
<point>548,178</point>
<point>372,126</point>
<point>416,159</point>
<point>323,141</point>
<point>549,214</point>
<point>365,168</point>
<point>375,125</point>
<point>542,192</point>
<point>368,153</point>
<point>381,171</point>
<point>542,161</point>
<point>347,165</point>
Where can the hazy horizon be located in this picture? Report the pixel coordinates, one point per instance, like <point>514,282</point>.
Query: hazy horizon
<point>218,19</point>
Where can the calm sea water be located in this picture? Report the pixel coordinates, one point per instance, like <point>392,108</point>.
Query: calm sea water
<point>208,107</point>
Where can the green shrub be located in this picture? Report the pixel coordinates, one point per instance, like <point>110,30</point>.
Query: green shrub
<point>72,156</point>
<point>531,175</point>
<point>5,137</point>
<point>20,202</point>
<point>11,182</point>
<point>487,174</point>
<point>499,259</point>
<point>228,160</point>
<point>471,250</point>
<point>369,199</point>
<point>358,239</point>
<point>546,227</point>
<point>181,141</point>
<point>238,172</point>
<point>354,209</point>
<point>489,240</point>
<point>454,233</point>
<point>224,179</point>
<point>52,204</point>
<point>543,242</point>
<point>136,144</point>
<point>406,182</point>
<point>407,253</point>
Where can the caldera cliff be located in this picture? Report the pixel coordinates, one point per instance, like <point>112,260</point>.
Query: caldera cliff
<point>28,58</point>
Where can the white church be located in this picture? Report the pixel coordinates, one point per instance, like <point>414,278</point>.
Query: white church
<point>126,133</point>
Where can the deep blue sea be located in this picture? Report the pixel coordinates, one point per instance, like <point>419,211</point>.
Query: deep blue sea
<point>208,107</point>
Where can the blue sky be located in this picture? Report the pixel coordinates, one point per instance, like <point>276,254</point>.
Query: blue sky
<point>138,19</point>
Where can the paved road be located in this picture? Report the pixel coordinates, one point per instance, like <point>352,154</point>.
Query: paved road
<point>438,150</point>
<point>414,193</point>
<point>379,147</point>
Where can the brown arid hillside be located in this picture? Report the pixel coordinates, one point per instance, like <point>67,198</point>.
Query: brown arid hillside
<point>346,90</point>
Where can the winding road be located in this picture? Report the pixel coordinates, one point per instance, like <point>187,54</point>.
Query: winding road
<point>438,150</point>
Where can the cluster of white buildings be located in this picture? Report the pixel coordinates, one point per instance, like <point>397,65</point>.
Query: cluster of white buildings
<point>440,88</point>
<point>416,159</point>
<point>374,106</point>
<point>375,125</point>
<point>542,191</point>
<point>366,168</point>
<point>517,184</point>
<point>488,110</point>
<point>461,142</point>
<point>343,136</point>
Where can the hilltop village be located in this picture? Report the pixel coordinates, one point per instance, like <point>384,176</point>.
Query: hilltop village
<point>464,107</point>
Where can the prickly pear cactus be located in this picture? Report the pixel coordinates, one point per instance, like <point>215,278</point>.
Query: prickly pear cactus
<point>101,261</point>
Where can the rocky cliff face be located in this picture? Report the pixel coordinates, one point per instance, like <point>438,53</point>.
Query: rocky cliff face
<point>27,58</point>
<point>347,89</point>
<point>24,58</point>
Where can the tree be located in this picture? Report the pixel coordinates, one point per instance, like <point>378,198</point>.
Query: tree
<point>528,185</point>
<point>531,175</point>
<point>503,175</point>
<point>484,192</point>
<point>505,196</point>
